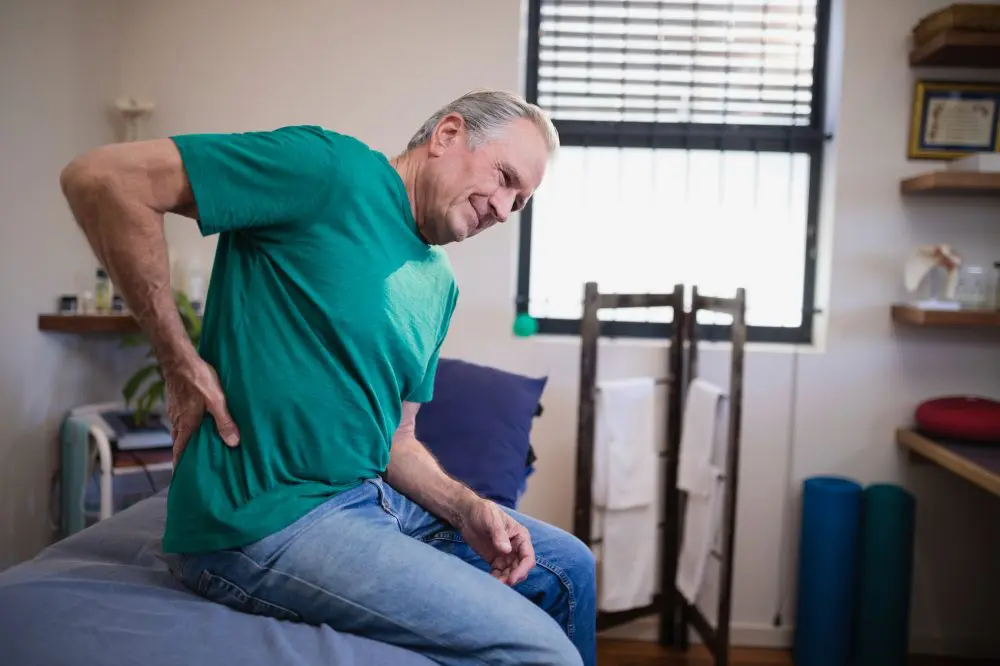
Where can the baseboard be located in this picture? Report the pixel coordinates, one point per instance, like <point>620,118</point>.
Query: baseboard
<point>761,635</point>
<point>742,635</point>
<point>767,636</point>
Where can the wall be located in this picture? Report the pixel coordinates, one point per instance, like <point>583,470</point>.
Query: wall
<point>228,66</point>
<point>58,72</point>
<point>829,410</point>
<point>872,375</point>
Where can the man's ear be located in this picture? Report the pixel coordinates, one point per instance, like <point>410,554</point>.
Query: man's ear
<point>449,131</point>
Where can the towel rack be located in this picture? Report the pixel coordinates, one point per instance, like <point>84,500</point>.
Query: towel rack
<point>659,381</point>
<point>716,637</point>
<point>676,616</point>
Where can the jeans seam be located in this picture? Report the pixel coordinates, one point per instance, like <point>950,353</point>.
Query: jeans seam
<point>447,535</point>
<point>545,564</point>
<point>272,570</point>
<point>242,595</point>
<point>385,505</point>
<point>568,584</point>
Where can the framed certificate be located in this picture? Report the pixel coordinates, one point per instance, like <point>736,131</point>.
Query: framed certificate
<point>954,119</point>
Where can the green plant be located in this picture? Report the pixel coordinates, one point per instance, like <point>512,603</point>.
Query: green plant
<point>145,388</point>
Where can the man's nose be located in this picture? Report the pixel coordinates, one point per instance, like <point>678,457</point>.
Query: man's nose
<point>501,203</point>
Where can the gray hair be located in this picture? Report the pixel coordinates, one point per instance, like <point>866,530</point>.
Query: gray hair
<point>486,112</point>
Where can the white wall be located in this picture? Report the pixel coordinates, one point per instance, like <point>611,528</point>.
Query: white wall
<point>873,375</point>
<point>58,72</point>
<point>228,65</point>
<point>378,77</point>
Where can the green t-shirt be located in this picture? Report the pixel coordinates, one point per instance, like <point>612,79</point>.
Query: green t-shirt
<point>326,310</point>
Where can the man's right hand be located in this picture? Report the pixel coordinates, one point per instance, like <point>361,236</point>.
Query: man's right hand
<point>192,389</point>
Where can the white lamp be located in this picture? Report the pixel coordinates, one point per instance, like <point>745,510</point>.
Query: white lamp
<point>132,110</point>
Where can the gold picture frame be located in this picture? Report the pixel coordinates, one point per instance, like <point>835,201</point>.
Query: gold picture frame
<point>951,120</point>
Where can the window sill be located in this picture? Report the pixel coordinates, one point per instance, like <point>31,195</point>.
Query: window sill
<point>567,339</point>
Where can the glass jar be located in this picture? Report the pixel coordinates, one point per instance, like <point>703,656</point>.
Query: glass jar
<point>102,292</point>
<point>972,289</point>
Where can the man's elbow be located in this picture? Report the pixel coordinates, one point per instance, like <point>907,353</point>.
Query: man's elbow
<point>83,177</point>
<point>86,181</point>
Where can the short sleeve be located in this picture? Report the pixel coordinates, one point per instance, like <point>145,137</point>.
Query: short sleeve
<point>425,391</point>
<point>257,179</point>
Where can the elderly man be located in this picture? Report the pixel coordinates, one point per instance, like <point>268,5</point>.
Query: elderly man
<point>300,490</point>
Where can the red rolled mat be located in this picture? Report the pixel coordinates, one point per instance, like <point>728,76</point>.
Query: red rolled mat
<point>968,418</point>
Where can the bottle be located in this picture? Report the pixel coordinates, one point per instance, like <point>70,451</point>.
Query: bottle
<point>996,285</point>
<point>196,286</point>
<point>102,292</point>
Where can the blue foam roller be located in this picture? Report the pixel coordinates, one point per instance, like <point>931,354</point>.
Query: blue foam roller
<point>827,577</point>
<point>885,574</point>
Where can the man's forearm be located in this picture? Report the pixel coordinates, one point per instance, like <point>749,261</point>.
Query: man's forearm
<point>127,237</point>
<point>414,472</point>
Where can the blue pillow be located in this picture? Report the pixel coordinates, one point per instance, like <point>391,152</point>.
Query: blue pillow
<point>478,426</point>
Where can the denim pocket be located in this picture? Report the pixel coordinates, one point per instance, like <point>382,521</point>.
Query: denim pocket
<point>218,589</point>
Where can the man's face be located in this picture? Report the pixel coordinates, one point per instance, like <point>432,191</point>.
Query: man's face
<point>467,190</point>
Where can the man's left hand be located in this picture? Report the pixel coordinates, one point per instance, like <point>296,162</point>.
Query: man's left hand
<point>499,539</point>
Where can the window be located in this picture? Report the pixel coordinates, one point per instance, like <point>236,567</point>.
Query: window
<point>693,136</point>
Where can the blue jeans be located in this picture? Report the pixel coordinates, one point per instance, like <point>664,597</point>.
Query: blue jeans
<point>372,562</point>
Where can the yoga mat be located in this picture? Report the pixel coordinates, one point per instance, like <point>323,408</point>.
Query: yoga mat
<point>827,580</point>
<point>882,629</point>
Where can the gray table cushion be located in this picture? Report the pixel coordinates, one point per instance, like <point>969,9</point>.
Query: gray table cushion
<point>104,597</point>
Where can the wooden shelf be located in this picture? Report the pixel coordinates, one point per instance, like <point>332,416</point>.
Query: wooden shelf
<point>977,463</point>
<point>82,324</point>
<point>142,457</point>
<point>912,316</point>
<point>952,182</point>
<point>958,48</point>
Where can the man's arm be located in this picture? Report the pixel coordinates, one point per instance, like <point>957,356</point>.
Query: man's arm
<point>119,195</point>
<point>229,182</point>
<point>500,540</point>
<point>414,472</point>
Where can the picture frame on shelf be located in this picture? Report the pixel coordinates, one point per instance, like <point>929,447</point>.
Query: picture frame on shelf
<point>953,119</point>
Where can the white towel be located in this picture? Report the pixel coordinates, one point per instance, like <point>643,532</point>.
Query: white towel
<point>702,480</point>
<point>628,558</point>
<point>624,491</point>
<point>698,433</point>
<point>701,523</point>
<point>625,451</point>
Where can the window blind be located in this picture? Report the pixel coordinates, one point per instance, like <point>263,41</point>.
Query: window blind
<point>731,62</point>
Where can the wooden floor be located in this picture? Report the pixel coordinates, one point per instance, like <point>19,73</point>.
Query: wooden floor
<point>636,653</point>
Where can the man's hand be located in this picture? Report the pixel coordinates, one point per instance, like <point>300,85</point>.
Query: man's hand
<point>499,539</point>
<point>192,389</point>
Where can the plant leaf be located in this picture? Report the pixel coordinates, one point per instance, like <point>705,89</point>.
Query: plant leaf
<point>136,380</point>
<point>155,393</point>
<point>140,409</point>
<point>191,320</point>
<point>144,405</point>
<point>132,340</point>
